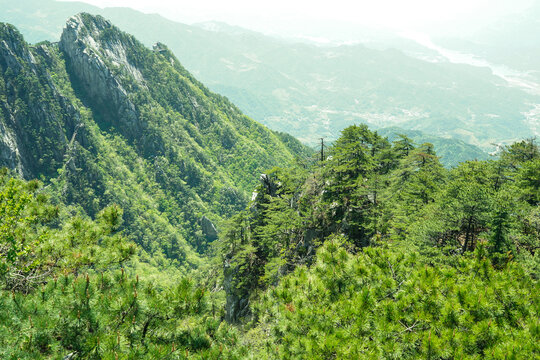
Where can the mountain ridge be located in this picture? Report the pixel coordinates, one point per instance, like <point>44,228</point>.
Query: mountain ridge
<point>104,120</point>
<point>382,88</point>
<point>130,238</point>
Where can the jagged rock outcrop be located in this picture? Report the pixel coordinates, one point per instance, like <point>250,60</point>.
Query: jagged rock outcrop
<point>95,51</point>
<point>12,49</point>
<point>209,229</point>
<point>237,302</point>
<point>35,120</point>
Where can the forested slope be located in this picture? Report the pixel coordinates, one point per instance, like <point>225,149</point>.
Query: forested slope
<point>370,249</point>
<point>377,251</point>
<point>104,120</point>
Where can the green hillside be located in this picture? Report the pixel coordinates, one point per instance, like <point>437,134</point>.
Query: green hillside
<point>451,151</point>
<point>376,252</point>
<point>143,216</point>
<point>104,120</point>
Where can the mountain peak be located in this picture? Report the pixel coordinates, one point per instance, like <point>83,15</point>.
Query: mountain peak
<point>100,116</point>
<point>94,34</point>
<point>89,21</point>
<point>8,31</point>
<point>12,45</point>
<point>97,52</point>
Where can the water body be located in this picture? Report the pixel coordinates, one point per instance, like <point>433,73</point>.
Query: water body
<point>514,78</point>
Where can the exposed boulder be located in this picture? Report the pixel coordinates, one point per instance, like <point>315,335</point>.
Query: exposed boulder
<point>209,229</point>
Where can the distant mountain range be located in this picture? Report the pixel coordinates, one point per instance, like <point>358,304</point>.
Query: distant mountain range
<point>450,151</point>
<point>315,91</point>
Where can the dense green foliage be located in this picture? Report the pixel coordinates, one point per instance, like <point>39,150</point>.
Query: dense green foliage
<point>64,289</point>
<point>372,190</point>
<point>416,261</point>
<point>106,275</point>
<point>190,153</point>
<point>375,252</point>
<point>370,249</point>
<point>385,304</point>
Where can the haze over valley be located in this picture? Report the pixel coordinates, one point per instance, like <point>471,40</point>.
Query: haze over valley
<point>314,90</point>
<point>286,180</point>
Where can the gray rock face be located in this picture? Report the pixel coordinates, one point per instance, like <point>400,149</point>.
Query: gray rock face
<point>85,45</point>
<point>22,121</point>
<point>11,49</point>
<point>9,151</point>
<point>208,229</point>
<point>237,304</point>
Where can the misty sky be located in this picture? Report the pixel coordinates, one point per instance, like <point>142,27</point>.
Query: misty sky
<point>269,15</point>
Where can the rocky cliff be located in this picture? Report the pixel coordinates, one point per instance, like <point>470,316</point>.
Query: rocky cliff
<point>102,119</point>
<point>94,52</point>
<point>36,121</point>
